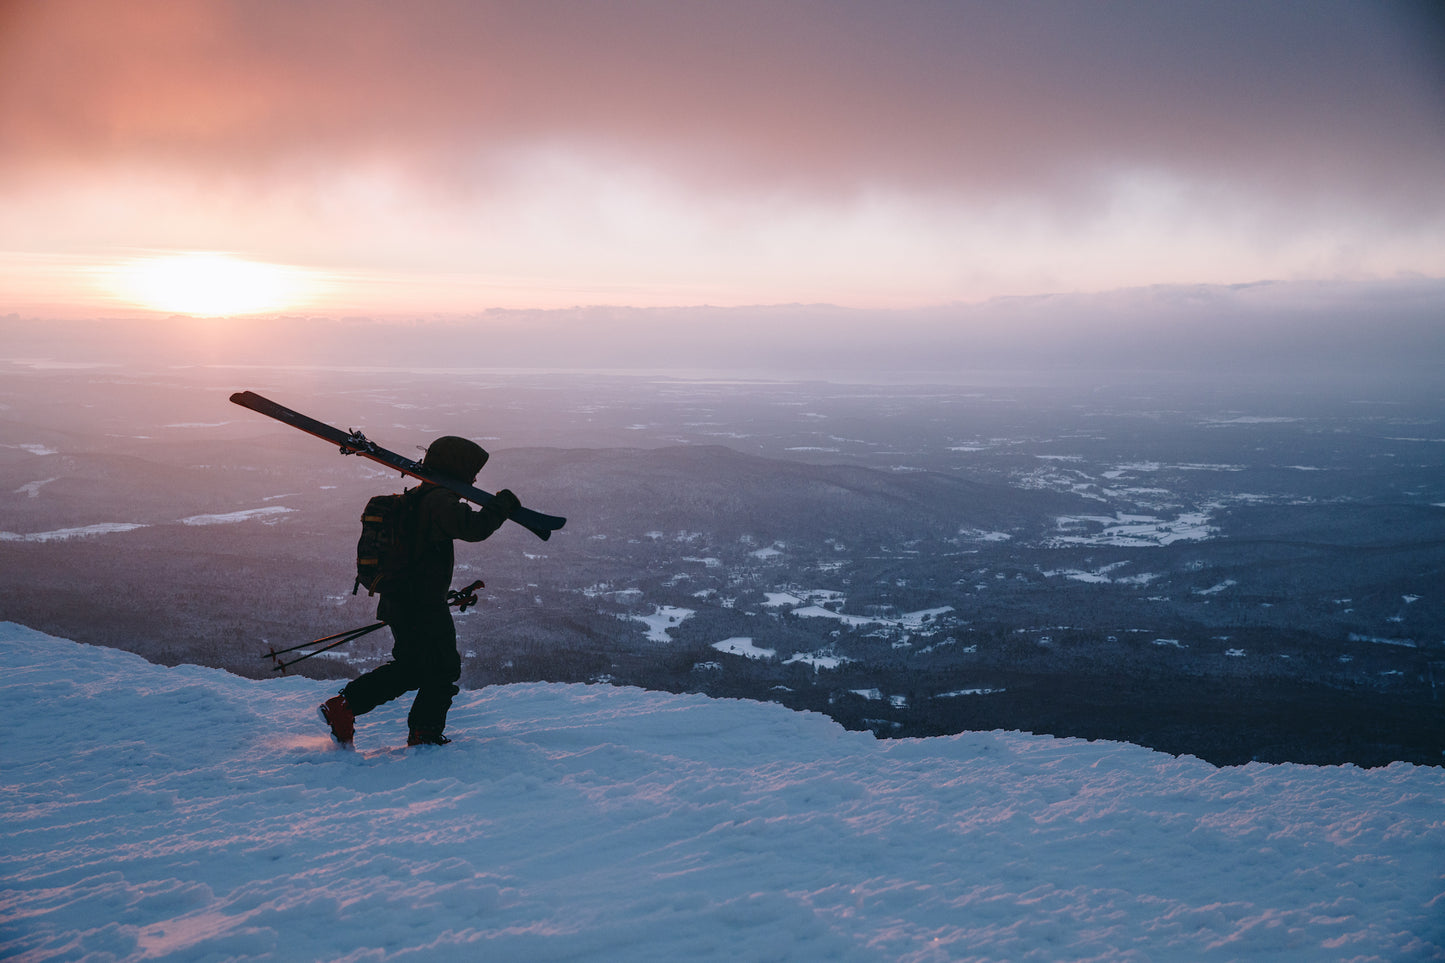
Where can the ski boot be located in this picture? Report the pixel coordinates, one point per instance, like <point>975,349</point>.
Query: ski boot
<point>337,714</point>
<point>426,737</point>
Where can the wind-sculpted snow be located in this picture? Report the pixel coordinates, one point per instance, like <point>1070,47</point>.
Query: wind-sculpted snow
<point>186,813</point>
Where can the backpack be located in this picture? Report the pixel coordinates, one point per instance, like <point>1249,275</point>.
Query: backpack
<point>388,540</point>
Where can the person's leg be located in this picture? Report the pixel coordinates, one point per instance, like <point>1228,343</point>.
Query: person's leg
<point>438,666</point>
<point>380,685</point>
<point>398,676</point>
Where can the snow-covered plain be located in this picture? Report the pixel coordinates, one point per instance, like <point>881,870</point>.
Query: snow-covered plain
<point>112,528</point>
<point>185,813</point>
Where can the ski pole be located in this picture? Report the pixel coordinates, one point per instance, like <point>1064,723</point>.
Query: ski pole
<point>341,639</point>
<point>275,651</point>
<point>462,598</point>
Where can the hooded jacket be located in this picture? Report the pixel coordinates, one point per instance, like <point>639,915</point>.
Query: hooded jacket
<point>442,518</point>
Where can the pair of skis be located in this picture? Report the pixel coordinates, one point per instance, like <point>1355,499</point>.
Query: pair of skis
<point>356,443</point>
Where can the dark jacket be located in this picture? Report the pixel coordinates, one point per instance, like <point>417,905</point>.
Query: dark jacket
<point>442,518</point>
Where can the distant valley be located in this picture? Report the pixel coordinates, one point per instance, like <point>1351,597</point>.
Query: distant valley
<point>1234,577</point>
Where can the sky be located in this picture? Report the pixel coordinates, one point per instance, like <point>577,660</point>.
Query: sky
<point>433,158</point>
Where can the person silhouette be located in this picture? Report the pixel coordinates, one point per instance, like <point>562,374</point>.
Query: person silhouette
<point>414,605</point>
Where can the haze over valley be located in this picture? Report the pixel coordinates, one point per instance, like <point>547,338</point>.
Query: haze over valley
<point>1230,571</point>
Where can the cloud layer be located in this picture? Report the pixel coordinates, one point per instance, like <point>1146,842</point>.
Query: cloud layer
<point>733,152</point>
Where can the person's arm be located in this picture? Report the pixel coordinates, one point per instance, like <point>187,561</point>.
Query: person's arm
<point>456,520</point>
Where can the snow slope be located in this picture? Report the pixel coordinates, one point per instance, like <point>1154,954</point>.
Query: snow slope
<point>184,813</point>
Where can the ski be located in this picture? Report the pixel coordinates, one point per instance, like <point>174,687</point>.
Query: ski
<point>355,443</point>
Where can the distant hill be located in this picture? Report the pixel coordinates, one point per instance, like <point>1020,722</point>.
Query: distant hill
<point>714,488</point>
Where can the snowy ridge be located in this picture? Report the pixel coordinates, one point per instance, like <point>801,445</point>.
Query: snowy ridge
<point>182,813</point>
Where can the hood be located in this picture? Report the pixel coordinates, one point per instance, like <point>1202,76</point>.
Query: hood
<point>455,457</point>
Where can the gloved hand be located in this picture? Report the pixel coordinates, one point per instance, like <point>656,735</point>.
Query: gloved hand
<point>506,503</point>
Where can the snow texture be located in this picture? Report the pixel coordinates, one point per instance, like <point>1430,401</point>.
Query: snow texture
<point>185,813</point>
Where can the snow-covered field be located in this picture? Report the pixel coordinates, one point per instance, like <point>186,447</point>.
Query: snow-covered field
<point>267,515</point>
<point>186,813</point>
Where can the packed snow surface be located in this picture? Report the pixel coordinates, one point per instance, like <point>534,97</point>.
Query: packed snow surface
<point>185,813</point>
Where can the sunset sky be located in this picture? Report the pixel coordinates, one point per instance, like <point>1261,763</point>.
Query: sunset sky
<point>428,158</point>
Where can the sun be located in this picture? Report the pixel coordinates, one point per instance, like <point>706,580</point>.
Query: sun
<point>210,284</point>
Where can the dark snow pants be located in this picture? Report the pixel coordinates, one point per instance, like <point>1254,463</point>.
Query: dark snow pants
<point>424,657</point>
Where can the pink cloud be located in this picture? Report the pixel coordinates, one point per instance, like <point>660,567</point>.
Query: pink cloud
<point>968,97</point>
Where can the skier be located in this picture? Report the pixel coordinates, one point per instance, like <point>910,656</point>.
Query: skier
<point>414,605</point>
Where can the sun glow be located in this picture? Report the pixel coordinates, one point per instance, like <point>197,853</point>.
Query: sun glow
<point>210,285</point>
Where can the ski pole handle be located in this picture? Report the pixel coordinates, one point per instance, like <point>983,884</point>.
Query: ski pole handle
<point>462,598</point>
